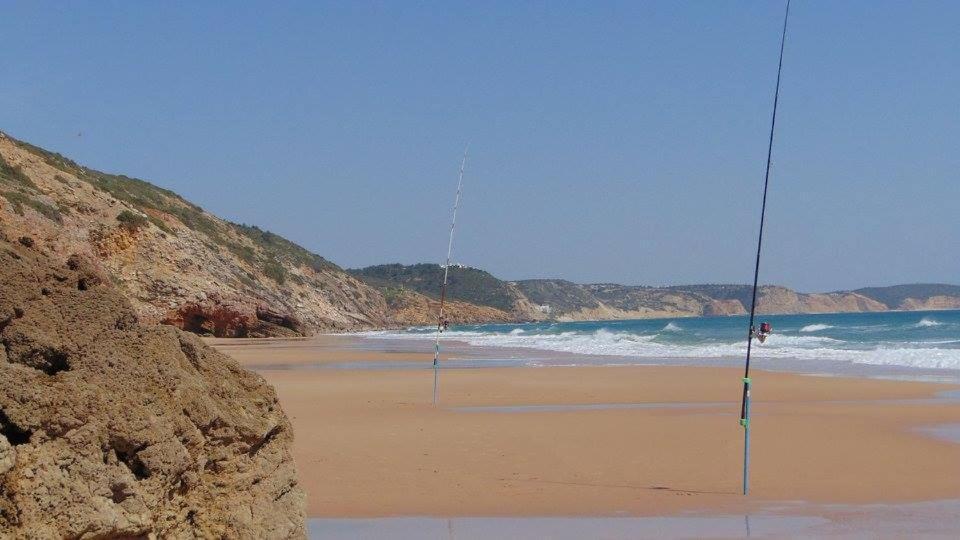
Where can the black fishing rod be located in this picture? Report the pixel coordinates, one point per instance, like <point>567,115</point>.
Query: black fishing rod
<point>745,402</point>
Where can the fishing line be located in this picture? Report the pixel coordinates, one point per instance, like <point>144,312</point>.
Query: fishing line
<point>441,323</point>
<point>745,402</point>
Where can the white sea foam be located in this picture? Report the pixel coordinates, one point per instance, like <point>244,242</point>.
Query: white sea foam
<point>647,347</point>
<point>800,341</point>
<point>927,322</point>
<point>671,327</point>
<point>815,327</point>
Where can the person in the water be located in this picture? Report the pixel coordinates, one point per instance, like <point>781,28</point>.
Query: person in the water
<point>764,332</point>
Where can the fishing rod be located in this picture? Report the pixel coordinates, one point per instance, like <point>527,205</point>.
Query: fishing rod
<point>765,328</point>
<point>441,322</point>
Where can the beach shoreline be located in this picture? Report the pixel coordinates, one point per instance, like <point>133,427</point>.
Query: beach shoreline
<point>591,440</point>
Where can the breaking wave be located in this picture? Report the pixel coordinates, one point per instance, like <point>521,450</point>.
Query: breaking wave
<point>890,339</point>
<point>647,347</point>
<point>815,327</point>
<point>927,322</point>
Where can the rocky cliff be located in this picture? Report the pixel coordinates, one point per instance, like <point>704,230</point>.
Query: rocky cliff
<point>611,301</point>
<point>408,308</point>
<point>921,296</point>
<point>931,303</point>
<point>782,300</point>
<point>174,261</point>
<point>557,299</point>
<point>110,428</point>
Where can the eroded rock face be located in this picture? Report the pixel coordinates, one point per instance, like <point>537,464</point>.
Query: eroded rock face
<point>775,299</point>
<point>234,317</point>
<point>413,309</point>
<point>932,303</point>
<point>110,428</point>
<point>723,307</point>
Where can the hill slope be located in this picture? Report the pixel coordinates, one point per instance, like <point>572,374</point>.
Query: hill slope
<point>918,296</point>
<point>537,299</point>
<point>467,284</point>
<point>174,261</point>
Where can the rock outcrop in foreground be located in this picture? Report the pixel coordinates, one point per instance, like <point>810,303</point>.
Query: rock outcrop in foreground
<point>110,428</point>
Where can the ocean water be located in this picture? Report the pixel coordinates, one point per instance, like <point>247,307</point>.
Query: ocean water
<point>924,340</point>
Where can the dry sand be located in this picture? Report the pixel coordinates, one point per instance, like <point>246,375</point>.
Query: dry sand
<point>369,443</point>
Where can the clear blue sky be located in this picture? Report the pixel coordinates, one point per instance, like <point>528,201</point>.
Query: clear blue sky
<point>619,142</point>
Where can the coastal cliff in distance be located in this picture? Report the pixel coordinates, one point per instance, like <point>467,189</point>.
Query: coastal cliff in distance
<point>180,265</point>
<point>541,299</point>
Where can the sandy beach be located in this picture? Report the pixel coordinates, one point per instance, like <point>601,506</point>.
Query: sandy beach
<point>594,441</point>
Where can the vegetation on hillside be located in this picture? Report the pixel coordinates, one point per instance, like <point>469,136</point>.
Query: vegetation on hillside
<point>131,221</point>
<point>278,247</point>
<point>266,251</point>
<point>467,284</point>
<point>720,291</point>
<point>21,192</point>
<point>14,175</point>
<point>642,298</point>
<point>19,200</point>
<point>562,296</point>
<point>893,296</point>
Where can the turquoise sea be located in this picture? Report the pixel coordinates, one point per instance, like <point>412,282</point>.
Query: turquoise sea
<point>928,340</point>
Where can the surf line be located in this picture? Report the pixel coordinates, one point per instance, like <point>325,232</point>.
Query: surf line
<point>441,321</point>
<point>751,333</point>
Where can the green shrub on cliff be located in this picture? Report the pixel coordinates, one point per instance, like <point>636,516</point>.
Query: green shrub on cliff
<point>132,222</point>
<point>280,248</point>
<point>15,175</point>
<point>138,193</point>
<point>275,271</point>
<point>19,200</point>
<point>393,295</point>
